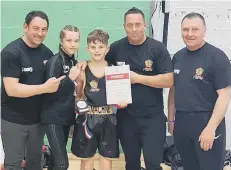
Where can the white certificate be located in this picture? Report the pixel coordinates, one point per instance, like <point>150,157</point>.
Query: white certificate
<point>118,84</point>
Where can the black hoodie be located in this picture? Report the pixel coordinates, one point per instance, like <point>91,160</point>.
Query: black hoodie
<point>58,107</point>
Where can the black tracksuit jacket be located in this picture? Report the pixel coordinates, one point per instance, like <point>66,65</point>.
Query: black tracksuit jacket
<point>58,107</point>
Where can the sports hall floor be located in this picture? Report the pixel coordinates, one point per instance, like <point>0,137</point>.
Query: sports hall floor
<point>116,165</point>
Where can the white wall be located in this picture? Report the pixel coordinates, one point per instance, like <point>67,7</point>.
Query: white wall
<point>218,18</point>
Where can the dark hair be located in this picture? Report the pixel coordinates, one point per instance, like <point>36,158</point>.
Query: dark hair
<point>31,15</point>
<point>194,15</point>
<point>62,35</point>
<point>134,10</point>
<point>98,35</point>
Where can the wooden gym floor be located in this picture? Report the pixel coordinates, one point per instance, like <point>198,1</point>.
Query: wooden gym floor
<point>116,164</point>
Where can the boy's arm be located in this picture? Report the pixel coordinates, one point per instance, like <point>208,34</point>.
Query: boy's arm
<point>79,87</point>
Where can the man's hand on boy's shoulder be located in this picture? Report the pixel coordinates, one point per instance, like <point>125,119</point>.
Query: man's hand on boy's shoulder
<point>82,65</point>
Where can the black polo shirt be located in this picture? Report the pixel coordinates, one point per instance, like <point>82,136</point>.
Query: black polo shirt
<point>198,75</point>
<point>27,64</point>
<point>149,58</point>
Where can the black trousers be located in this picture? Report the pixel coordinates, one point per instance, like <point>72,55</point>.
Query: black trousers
<point>188,127</point>
<point>57,136</point>
<point>147,134</point>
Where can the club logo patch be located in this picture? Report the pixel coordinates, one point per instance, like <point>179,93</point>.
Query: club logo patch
<point>94,86</point>
<point>198,74</point>
<point>28,69</point>
<point>177,71</point>
<point>148,65</point>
